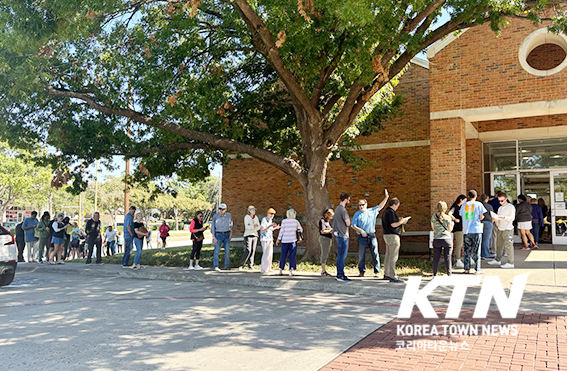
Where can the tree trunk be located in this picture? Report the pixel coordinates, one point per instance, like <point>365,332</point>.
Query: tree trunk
<point>176,213</point>
<point>316,202</point>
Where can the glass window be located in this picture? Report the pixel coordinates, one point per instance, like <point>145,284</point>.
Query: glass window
<point>500,156</point>
<point>543,153</point>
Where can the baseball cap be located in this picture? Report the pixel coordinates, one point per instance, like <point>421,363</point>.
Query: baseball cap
<point>222,206</point>
<point>271,211</point>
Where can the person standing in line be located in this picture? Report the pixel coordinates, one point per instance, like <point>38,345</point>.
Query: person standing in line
<point>545,213</point>
<point>76,234</point>
<point>110,239</point>
<point>537,220</point>
<point>128,235</point>
<point>442,226</point>
<point>119,242</point>
<point>251,228</point>
<point>472,213</point>
<point>149,237</point>
<point>221,229</point>
<point>58,239</point>
<point>505,232</point>
<point>457,230</point>
<point>43,227</point>
<point>493,201</point>
<point>267,228</point>
<point>341,223</point>
<point>140,232</point>
<point>67,246</point>
<point>28,226</point>
<point>487,227</point>
<point>94,238</point>
<point>325,239</point>
<point>197,236</point>
<point>524,219</point>
<point>392,227</point>
<point>164,233</point>
<point>288,239</point>
<point>364,223</point>
<point>20,242</point>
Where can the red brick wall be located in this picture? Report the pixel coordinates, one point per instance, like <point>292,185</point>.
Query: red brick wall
<point>474,165</point>
<point>521,123</point>
<point>479,69</point>
<point>448,160</point>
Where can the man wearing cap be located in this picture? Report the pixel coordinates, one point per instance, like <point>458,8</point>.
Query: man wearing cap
<point>28,226</point>
<point>94,238</point>
<point>221,229</point>
<point>128,235</point>
<point>251,228</point>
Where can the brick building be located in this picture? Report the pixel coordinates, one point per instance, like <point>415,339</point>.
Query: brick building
<point>485,112</point>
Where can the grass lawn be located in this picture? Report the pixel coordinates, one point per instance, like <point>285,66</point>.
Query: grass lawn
<point>179,257</point>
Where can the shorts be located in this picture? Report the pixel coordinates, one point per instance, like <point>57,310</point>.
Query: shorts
<point>57,240</point>
<point>75,243</point>
<point>525,225</point>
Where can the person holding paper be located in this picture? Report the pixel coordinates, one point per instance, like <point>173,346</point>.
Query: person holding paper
<point>505,232</point>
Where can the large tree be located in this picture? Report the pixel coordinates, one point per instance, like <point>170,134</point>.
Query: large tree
<point>183,84</point>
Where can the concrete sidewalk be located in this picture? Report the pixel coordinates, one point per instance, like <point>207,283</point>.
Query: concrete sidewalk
<point>544,291</point>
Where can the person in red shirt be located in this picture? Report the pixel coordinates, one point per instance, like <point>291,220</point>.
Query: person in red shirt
<point>163,233</point>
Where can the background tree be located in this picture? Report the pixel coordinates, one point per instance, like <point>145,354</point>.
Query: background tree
<point>21,181</point>
<point>181,84</point>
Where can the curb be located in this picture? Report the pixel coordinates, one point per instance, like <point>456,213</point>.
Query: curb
<point>368,288</point>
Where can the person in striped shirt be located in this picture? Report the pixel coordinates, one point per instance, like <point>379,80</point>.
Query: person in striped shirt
<point>288,239</point>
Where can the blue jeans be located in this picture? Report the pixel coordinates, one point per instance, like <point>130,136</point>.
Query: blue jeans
<point>222,239</point>
<point>486,239</point>
<point>342,250</point>
<point>291,248</point>
<point>535,230</point>
<point>472,244</point>
<point>372,244</point>
<point>139,245</point>
<point>127,248</point>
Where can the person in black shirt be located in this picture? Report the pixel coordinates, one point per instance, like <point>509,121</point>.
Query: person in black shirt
<point>196,228</point>
<point>94,238</point>
<point>140,232</point>
<point>325,238</point>
<point>392,227</point>
<point>58,238</point>
<point>454,214</point>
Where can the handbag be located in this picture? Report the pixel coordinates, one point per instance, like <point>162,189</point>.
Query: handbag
<point>36,233</point>
<point>199,238</point>
<point>299,233</point>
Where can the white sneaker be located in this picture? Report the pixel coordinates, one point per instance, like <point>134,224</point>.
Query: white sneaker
<point>198,267</point>
<point>480,271</point>
<point>507,266</point>
<point>494,262</point>
<point>190,267</point>
<point>459,264</point>
<point>217,269</point>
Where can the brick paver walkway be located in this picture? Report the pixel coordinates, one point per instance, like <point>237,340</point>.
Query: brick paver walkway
<point>540,344</point>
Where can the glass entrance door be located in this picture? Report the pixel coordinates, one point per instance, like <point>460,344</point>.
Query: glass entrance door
<point>505,182</point>
<point>559,208</point>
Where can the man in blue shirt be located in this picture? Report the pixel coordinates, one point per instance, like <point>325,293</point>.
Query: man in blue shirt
<point>128,235</point>
<point>31,240</point>
<point>472,215</point>
<point>364,223</point>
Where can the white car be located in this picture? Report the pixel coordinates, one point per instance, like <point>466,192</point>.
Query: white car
<point>8,256</point>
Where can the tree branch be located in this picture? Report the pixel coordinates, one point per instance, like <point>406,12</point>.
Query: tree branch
<point>326,72</point>
<point>287,165</point>
<point>258,27</point>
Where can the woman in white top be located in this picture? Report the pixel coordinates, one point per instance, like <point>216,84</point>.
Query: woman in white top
<point>288,239</point>
<point>251,228</point>
<point>267,229</point>
<point>59,227</point>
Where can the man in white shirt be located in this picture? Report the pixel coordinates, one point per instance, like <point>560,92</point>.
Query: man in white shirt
<point>505,232</point>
